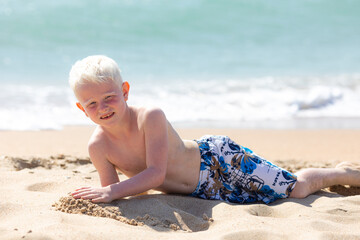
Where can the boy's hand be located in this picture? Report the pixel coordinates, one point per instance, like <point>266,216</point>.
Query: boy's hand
<point>96,195</point>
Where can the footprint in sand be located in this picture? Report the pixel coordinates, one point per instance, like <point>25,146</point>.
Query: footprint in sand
<point>43,187</point>
<point>254,234</point>
<point>262,211</point>
<point>338,211</point>
<point>323,226</point>
<point>9,208</point>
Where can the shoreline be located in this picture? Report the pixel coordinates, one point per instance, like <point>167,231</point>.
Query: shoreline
<point>296,123</point>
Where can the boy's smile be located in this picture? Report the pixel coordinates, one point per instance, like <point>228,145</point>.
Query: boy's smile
<point>108,116</point>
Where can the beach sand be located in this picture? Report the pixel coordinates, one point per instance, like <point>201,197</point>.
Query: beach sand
<point>38,169</point>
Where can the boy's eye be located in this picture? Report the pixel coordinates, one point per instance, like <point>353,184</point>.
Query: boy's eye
<point>91,104</point>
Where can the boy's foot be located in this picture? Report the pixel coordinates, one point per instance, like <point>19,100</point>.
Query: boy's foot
<point>351,174</point>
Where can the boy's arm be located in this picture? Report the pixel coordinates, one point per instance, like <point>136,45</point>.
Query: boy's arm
<point>106,170</point>
<point>156,144</point>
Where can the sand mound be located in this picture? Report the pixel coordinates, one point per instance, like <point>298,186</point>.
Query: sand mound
<point>137,216</point>
<point>80,206</point>
<point>62,161</point>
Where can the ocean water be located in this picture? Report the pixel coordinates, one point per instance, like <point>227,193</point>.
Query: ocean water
<point>245,63</point>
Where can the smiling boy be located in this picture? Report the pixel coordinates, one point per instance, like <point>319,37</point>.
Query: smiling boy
<point>143,145</point>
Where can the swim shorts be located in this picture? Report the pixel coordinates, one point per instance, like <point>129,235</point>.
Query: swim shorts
<point>233,173</point>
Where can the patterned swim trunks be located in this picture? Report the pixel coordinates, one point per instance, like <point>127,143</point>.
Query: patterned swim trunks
<point>233,173</point>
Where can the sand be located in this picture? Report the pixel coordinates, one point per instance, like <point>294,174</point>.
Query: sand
<point>39,169</point>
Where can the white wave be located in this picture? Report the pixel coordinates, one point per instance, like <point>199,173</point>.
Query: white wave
<point>36,108</point>
<point>249,100</point>
<point>258,100</point>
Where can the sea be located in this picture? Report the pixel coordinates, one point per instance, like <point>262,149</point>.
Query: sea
<point>207,63</point>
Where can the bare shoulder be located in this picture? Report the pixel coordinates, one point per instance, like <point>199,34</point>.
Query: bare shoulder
<point>151,116</point>
<point>97,143</point>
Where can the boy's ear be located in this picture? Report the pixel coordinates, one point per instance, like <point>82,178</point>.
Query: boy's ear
<point>125,89</point>
<point>81,108</point>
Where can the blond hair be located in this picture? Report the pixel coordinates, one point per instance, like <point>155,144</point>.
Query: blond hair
<point>95,69</point>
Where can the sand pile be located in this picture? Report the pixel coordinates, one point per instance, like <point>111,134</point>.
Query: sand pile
<point>114,211</point>
<point>80,206</point>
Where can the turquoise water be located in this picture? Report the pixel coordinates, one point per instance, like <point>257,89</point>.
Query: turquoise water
<point>302,56</point>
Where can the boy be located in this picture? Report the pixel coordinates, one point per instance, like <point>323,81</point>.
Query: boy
<point>143,145</point>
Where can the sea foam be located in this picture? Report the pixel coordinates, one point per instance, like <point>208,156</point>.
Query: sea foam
<point>192,102</point>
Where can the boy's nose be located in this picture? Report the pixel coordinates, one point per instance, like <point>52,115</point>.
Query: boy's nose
<point>103,107</point>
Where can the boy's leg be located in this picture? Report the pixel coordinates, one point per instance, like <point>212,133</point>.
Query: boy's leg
<point>314,179</point>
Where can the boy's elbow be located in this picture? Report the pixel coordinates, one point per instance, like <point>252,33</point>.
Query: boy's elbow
<point>159,177</point>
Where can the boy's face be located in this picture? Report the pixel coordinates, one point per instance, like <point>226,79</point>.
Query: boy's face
<point>104,103</point>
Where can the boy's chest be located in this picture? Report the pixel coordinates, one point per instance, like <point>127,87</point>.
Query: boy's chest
<point>129,157</point>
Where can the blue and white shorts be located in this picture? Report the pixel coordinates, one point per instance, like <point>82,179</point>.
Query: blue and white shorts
<point>233,173</point>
